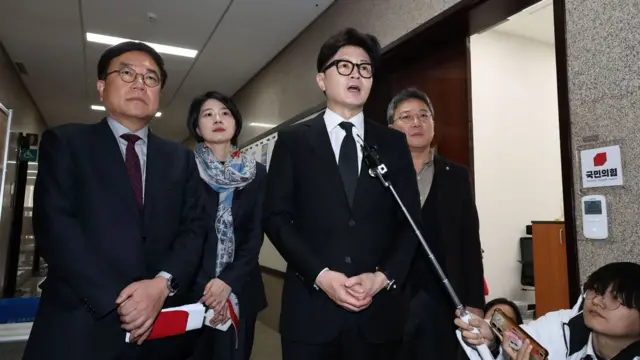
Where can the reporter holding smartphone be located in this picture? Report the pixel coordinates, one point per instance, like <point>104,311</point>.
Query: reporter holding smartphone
<point>604,324</point>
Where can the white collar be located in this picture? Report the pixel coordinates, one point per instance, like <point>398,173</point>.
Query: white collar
<point>331,119</point>
<point>119,129</point>
<point>589,348</point>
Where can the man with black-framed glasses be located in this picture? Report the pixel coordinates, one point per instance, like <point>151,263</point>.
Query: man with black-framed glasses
<point>347,245</point>
<point>118,219</point>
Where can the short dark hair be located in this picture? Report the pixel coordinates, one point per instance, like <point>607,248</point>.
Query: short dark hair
<point>129,46</point>
<point>349,37</point>
<point>507,302</point>
<point>623,278</point>
<point>406,94</point>
<point>196,106</point>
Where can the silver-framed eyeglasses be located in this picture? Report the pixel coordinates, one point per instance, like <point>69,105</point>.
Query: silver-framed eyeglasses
<point>609,301</point>
<point>422,117</point>
<point>129,75</point>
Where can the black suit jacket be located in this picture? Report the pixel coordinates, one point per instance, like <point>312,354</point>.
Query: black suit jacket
<point>308,218</point>
<point>96,241</point>
<point>243,274</point>
<point>459,236</point>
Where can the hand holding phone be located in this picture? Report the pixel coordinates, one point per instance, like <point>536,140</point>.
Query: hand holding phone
<point>523,354</point>
<point>516,342</point>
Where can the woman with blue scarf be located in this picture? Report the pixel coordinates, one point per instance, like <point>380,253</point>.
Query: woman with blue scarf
<point>229,281</point>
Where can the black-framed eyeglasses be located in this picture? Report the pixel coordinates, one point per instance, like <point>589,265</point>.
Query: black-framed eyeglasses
<point>129,75</point>
<point>345,68</point>
<point>609,301</point>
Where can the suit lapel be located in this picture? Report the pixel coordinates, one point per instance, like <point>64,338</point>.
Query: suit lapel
<point>318,137</point>
<point>111,162</point>
<point>441,178</point>
<point>364,180</point>
<point>236,204</point>
<point>154,177</point>
<point>441,181</point>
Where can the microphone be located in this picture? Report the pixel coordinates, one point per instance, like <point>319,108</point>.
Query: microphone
<point>372,160</point>
<point>378,169</point>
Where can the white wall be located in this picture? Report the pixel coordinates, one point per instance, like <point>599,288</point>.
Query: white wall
<point>269,256</point>
<point>516,149</point>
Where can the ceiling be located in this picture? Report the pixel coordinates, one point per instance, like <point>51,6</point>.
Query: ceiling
<point>234,38</point>
<point>535,22</point>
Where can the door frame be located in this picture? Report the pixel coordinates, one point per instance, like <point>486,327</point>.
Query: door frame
<point>9,113</point>
<point>469,17</point>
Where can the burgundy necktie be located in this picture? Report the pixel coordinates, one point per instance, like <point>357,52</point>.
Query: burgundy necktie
<point>133,166</point>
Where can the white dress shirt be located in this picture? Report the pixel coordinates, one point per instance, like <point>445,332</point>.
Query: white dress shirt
<point>141,149</point>
<point>336,134</point>
<point>140,146</point>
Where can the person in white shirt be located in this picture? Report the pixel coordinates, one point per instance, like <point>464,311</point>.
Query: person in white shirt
<point>603,325</point>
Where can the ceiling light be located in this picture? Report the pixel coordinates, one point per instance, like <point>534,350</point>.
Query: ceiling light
<point>261,125</point>
<point>101,108</point>
<point>165,49</point>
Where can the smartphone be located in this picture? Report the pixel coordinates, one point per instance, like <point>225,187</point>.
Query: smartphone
<point>505,327</point>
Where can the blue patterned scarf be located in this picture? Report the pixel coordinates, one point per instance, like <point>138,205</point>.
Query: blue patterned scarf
<point>237,171</point>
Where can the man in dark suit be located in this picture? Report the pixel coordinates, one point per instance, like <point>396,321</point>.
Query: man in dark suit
<point>450,222</point>
<point>118,219</point>
<point>346,242</point>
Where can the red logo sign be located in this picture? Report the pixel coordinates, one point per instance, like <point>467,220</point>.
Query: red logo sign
<point>600,159</point>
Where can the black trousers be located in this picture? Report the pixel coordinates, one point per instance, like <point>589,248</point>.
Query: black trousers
<point>430,331</point>
<point>349,345</point>
<point>210,344</point>
<point>171,348</point>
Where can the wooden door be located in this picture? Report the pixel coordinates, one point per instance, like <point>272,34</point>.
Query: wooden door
<point>550,267</point>
<point>441,70</point>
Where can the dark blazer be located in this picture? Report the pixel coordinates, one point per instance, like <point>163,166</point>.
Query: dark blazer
<point>459,234</point>
<point>450,213</point>
<point>308,218</point>
<point>460,231</point>
<point>95,240</point>
<point>243,274</point>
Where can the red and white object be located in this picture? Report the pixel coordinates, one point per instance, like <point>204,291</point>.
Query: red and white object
<point>176,320</point>
<point>234,315</point>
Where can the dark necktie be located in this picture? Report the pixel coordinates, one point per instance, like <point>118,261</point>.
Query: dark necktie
<point>348,161</point>
<point>133,166</point>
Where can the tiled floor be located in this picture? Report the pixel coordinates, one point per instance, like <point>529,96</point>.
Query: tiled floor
<point>11,351</point>
<point>267,344</point>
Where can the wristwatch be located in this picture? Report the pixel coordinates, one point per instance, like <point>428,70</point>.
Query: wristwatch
<point>391,283</point>
<point>172,283</point>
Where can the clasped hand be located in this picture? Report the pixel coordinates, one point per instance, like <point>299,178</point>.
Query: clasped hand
<point>138,306</point>
<point>215,296</point>
<point>355,293</point>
